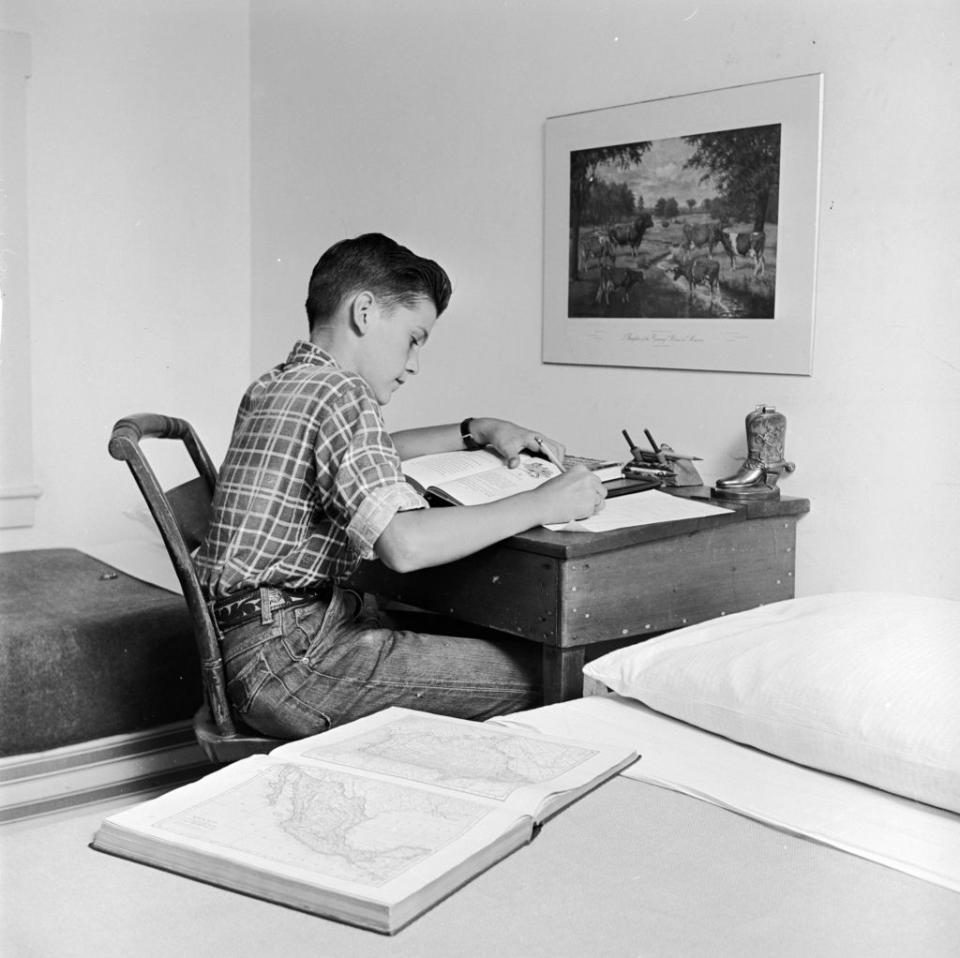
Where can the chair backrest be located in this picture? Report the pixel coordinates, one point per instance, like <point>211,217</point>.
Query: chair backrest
<point>183,515</point>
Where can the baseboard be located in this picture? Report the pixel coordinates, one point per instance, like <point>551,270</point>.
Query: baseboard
<point>41,783</point>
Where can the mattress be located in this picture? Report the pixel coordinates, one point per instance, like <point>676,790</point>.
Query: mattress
<point>631,869</point>
<point>914,838</point>
<point>88,652</point>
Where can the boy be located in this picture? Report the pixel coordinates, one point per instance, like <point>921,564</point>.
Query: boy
<point>312,484</point>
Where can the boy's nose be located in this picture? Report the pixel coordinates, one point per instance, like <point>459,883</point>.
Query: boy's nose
<point>413,363</point>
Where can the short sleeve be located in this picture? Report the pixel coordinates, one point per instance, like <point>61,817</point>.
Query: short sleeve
<point>367,486</point>
<point>377,511</point>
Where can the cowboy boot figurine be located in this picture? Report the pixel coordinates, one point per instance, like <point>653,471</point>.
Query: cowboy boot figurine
<point>758,476</point>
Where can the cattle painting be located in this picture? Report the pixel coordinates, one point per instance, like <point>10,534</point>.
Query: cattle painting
<point>666,228</point>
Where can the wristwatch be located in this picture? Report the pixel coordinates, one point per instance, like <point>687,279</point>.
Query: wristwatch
<point>468,441</point>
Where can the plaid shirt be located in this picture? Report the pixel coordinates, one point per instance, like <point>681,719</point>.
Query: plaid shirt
<point>310,481</point>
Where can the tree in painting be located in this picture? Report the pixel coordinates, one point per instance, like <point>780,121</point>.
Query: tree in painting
<point>745,166</point>
<point>583,168</point>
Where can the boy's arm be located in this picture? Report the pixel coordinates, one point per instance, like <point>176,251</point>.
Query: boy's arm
<point>426,537</point>
<point>507,438</point>
<point>427,440</point>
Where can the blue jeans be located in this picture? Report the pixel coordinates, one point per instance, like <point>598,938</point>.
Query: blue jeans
<point>321,664</point>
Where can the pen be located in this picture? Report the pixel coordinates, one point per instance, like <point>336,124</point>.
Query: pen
<point>670,456</point>
<point>654,446</point>
<point>549,453</point>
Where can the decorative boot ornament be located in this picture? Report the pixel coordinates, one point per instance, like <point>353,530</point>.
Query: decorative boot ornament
<point>758,476</point>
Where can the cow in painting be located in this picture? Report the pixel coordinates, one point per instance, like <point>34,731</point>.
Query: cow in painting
<point>632,234</point>
<point>699,270</point>
<point>749,245</point>
<point>702,234</point>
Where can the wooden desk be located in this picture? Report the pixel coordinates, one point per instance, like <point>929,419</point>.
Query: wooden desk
<point>569,591</point>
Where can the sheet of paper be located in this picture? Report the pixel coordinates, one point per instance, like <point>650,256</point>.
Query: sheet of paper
<point>640,509</point>
<point>914,838</point>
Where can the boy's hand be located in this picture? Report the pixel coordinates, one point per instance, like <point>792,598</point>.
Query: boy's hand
<point>576,494</point>
<point>510,440</point>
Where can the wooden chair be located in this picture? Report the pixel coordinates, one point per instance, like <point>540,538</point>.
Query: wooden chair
<point>183,515</point>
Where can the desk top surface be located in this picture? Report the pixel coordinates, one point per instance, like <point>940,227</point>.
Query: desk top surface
<point>569,545</point>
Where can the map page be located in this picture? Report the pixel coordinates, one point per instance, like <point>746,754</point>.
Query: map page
<point>529,771</point>
<point>329,822</point>
<point>465,757</point>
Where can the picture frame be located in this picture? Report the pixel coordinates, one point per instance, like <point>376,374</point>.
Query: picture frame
<point>681,233</point>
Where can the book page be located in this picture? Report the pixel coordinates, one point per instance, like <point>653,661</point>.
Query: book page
<point>639,509</point>
<point>440,468</point>
<point>500,483</point>
<point>312,827</point>
<point>460,756</point>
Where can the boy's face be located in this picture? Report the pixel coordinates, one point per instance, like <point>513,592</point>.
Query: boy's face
<point>393,342</point>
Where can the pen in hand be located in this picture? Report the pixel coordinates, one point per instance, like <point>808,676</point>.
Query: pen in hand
<point>548,453</point>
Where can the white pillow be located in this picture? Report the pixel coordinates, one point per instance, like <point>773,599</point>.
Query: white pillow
<point>864,685</point>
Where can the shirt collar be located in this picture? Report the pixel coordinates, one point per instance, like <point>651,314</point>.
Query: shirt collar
<point>309,354</point>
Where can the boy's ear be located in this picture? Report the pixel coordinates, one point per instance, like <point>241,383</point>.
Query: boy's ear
<point>361,311</point>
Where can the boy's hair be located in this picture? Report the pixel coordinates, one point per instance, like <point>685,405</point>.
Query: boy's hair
<point>395,275</point>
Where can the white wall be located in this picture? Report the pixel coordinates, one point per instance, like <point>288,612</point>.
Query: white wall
<point>17,490</point>
<point>139,223</point>
<point>425,120</point>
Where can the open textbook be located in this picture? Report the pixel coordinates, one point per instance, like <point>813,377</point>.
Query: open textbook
<point>468,478</point>
<point>371,823</point>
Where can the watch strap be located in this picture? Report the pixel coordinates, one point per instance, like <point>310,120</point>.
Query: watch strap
<point>465,435</point>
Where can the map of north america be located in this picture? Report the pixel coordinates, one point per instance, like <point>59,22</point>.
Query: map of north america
<point>330,822</point>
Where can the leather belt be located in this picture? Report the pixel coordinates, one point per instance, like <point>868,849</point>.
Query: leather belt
<point>241,607</point>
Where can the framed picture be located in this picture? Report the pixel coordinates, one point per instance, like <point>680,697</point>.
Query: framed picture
<point>681,233</point>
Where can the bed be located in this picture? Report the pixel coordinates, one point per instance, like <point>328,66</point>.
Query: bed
<point>693,851</point>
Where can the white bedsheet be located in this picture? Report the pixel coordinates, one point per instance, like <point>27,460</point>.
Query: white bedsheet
<point>911,837</point>
<point>145,558</point>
